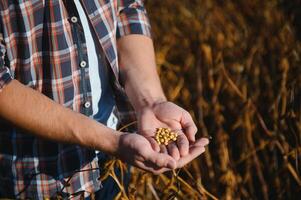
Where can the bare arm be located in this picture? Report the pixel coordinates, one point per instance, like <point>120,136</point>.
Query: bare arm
<point>142,85</point>
<point>30,110</point>
<point>138,71</point>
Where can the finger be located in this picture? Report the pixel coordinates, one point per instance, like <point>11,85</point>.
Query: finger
<point>150,169</point>
<point>148,133</point>
<point>189,126</point>
<point>161,171</point>
<point>173,151</point>
<point>161,160</point>
<point>163,149</point>
<point>194,152</point>
<point>183,144</point>
<point>201,142</point>
<point>154,144</point>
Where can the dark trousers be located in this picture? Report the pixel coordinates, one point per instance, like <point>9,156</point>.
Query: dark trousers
<point>110,188</point>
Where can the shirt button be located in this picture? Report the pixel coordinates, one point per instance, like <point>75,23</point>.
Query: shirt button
<point>74,19</point>
<point>87,104</point>
<point>83,64</point>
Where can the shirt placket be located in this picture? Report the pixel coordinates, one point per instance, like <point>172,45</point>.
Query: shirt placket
<point>79,39</point>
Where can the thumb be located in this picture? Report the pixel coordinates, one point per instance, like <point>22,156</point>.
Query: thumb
<point>154,144</point>
<point>162,160</point>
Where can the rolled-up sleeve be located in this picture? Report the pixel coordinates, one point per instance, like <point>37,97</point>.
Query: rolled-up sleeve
<point>132,18</point>
<point>5,75</point>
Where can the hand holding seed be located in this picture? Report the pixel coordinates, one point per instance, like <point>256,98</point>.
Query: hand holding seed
<point>169,115</point>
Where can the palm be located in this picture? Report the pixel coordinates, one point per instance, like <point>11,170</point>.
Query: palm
<point>136,150</point>
<point>148,122</point>
<point>167,114</point>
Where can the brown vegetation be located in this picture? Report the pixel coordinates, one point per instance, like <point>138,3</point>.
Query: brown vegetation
<point>236,66</point>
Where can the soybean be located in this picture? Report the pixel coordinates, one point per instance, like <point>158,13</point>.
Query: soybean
<point>165,136</point>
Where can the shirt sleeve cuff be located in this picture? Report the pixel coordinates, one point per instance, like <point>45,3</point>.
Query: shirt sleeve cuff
<point>133,20</point>
<point>5,77</point>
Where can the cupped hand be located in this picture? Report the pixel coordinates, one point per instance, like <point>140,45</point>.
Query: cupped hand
<point>169,115</point>
<point>136,150</point>
<point>195,149</point>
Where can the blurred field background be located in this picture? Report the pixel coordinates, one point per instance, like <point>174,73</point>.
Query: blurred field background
<point>236,66</point>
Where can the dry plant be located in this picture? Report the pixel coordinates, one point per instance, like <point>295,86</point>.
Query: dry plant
<point>236,66</point>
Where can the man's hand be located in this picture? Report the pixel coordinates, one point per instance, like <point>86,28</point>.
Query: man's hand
<point>167,114</point>
<point>195,149</point>
<point>142,85</point>
<point>136,150</point>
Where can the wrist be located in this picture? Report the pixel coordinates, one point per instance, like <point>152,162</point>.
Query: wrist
<point>94,135</point>
<point>114,143</point>
<point>110,143</point>
<point>149,102</point>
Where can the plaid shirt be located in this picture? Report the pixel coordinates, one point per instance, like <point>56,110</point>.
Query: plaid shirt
<point>42,46</point>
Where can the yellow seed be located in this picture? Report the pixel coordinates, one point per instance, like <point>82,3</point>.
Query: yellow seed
<point>165,135</point>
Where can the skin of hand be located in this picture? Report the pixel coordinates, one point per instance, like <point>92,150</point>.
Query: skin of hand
<point>143,87</point>
<point>61,125</point>
<point>137,150</point>
<point>169,115</point>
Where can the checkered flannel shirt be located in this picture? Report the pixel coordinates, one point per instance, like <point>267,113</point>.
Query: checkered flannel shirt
<point>42,47</point>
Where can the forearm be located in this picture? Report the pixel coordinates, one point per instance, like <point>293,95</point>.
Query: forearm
<point>34,112</point>
<point>138,71</point>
